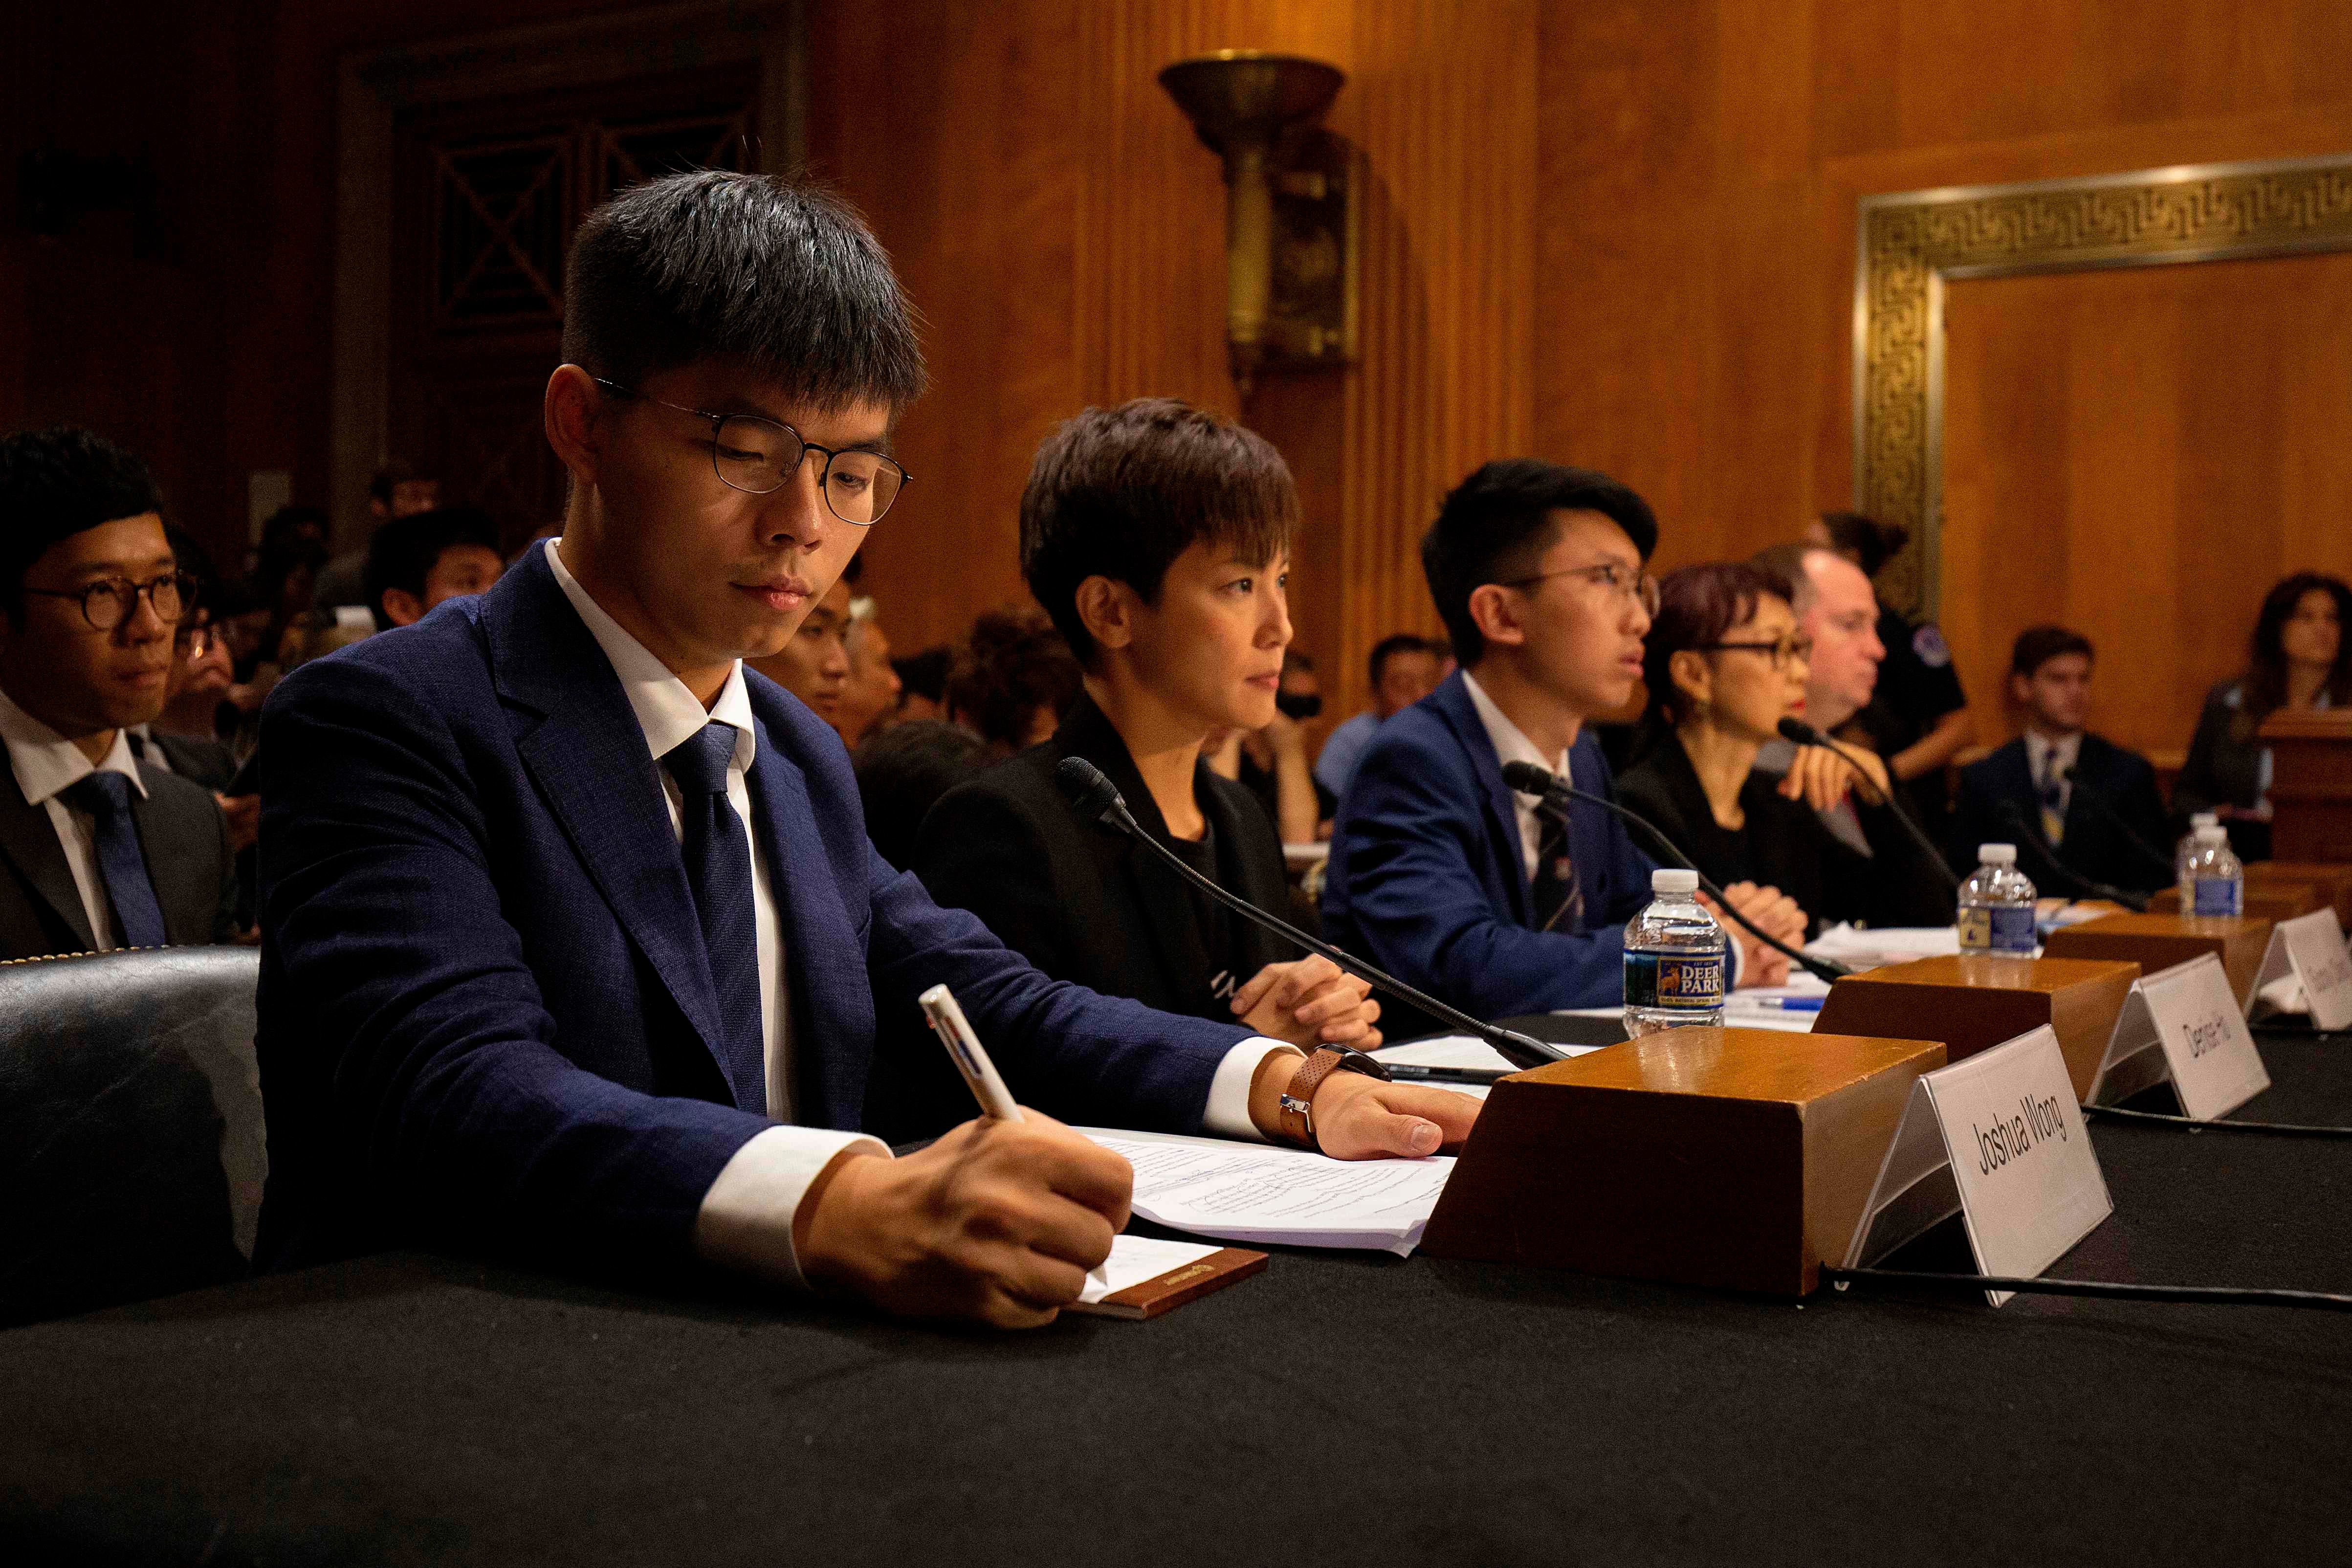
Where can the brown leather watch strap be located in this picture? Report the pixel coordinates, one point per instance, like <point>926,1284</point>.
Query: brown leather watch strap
<point>1298,1098</point>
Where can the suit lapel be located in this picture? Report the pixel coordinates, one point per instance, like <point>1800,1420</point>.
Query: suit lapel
<point>833,1001</point>
<point>588,756</point>
<point>1162,896</point>
<point>1452,702</point>
<point>29,839</point>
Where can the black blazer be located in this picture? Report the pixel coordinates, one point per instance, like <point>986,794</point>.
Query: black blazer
<point>200,762</point>
<point>2092,844</point>
<point>1784,845</point>
<point>1080,901</point>
<point>187,859</point>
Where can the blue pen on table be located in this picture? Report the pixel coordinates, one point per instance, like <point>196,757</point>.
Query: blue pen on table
<point>979,1073</point>
<point>1787,1004</point>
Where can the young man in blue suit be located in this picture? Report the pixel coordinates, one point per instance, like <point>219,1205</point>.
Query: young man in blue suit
<point>2094,803</point>
<point>1439,872</point>
<point>573,944</point>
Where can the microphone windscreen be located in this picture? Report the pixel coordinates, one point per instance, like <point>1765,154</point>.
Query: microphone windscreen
<point>1797,730</point>
<point>1084,786</point>
<point>1527,778</point>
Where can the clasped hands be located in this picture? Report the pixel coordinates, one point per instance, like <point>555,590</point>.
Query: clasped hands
<point>1821,777</point>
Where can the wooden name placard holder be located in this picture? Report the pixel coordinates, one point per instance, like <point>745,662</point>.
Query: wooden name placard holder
<point>1972,1004</point>
<point>1735,1157</point>
<point>2157,942</point>
<point>2271,901</point>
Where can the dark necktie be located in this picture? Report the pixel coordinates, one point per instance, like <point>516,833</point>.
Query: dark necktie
<point>120,861</point>
<point>1560,898</point>
<point>2053,800</point>
<point>718,869</point>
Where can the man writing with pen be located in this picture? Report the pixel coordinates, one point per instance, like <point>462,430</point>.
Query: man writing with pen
<point>573,946</point>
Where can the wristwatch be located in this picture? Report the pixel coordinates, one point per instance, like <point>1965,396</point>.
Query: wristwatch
<point>1297,1109</point>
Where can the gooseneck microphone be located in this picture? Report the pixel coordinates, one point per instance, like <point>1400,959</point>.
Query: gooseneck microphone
<point>1091,794</point>
<point>2106,808</point>
<point>2013,816</point>
<point>1804,734</point>
<point>1528,779</point>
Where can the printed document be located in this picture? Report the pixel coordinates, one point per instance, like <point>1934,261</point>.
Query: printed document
<point>1253,1192</point>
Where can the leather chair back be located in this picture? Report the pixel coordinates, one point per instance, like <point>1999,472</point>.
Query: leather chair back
<point>132,1146</point>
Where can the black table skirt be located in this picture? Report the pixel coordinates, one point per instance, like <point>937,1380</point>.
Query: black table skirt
<point>1338,1408</point>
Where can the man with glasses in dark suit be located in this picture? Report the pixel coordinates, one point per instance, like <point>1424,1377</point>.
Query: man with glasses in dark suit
<point>100,852</point>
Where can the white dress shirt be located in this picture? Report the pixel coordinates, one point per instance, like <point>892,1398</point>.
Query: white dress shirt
<point>1512,745</point>
<point>762,1188</point>
<point>47,763</point>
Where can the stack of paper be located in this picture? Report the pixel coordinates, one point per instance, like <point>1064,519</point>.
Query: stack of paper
<point>1251,1192</point>
<point>1877,948</point>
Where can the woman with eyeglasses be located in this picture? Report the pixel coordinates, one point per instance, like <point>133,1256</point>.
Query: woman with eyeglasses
<point>1724,663</point>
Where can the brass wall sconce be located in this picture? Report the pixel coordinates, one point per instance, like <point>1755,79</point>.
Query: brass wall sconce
<point>1293,206</point>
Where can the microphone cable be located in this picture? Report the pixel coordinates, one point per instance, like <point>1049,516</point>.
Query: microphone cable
<point>2014,816</point>
<point>2220,1124</point>
<point>1804,734</point>
<point>2209,1295</point>
<point>1528,779</point>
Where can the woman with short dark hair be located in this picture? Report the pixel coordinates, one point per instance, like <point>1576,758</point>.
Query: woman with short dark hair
<point>1724,663</point>
<point>2298,661</point>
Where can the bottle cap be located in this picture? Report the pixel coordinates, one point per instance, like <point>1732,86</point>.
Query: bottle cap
<point>2212,833</point>
<point>2204,819</point>
<point>1666,879</point>
<point>1997,854</point>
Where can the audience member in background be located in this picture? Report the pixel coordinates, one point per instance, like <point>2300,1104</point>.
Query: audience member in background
<point>869,697</point>
<point>1496,902</point>
<point>1837,612</point>
<point>1271,762</point>
<point>397,489</point>
<point>2094,803</point>
<point>1014,680</point>
<point>417,561</point>
<point>2299,661</point>
<point>904,771</point>
<point>185,735</point>
<point>1917,718</point>
<point>1724,663</point>
<point>1403,669</point>
<point>105,851</point>
<point>813,664</point>
<point>923,683</point>
<point>1157,536</point>
<point>285,579</point>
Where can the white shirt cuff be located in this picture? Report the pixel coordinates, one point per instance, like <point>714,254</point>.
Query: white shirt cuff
<point>746,1218</point>
<point>1228,1115</point>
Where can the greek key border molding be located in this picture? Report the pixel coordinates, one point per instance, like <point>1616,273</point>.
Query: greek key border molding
<point>1911,243</point>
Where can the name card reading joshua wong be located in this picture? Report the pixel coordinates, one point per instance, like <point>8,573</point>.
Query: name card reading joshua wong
<point>2001,1132</point>
<point>2183,1022</point>
<point>2311,949</point>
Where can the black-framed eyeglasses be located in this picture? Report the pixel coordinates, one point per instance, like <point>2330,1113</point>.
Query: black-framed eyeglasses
<point>757,456</point>
<point>106,603</point>
<point>1801,648</point>
<point>1638,586</point>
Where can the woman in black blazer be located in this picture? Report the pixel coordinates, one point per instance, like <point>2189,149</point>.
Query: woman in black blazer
<point>1156,538</point>
<point>1724,664</point>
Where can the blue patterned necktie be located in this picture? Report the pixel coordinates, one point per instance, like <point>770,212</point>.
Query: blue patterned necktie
<point>2053,800</point>
<point>121,863</point>
<point>718,869</point>
<point>1560,896</point>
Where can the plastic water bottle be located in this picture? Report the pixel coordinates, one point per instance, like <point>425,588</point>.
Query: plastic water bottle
<point>2180,854</point>
<point>1675,959</point>
<point>2217,883</point>
<point>1997,905</point>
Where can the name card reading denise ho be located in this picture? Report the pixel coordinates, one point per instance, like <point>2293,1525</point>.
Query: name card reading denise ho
<point>2183,1024</point>
<point>2311,948</point>
<point>1999,1140</point>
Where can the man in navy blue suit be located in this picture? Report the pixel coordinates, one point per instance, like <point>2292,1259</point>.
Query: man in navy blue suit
<point>1439,871</point>
<point>573,944</point>
<point>2094,804</point>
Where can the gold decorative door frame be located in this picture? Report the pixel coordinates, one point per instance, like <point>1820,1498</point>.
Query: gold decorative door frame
<point>1911,243</point>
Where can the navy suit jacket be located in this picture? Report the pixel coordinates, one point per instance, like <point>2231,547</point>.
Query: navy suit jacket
<point>1427,878</point>
<point>2092,844</point>
<point>486,1013</point>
